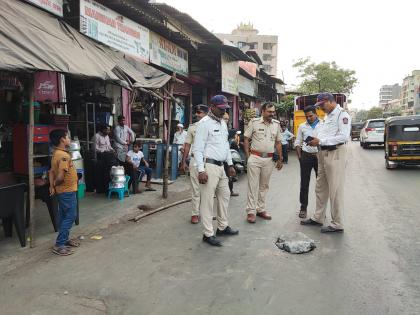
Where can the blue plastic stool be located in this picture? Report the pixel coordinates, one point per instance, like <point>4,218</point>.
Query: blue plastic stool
<point>120,191</point>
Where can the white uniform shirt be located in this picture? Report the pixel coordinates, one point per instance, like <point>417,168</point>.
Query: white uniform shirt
<point>179,137</point>
<point>336,128</point>
<point>135,157</point>
<point>211,141</point>
<point>122,135</point>
<point>305,130</point>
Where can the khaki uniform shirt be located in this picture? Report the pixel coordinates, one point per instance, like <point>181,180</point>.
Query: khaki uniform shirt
<point>61,160</point>
<point>263,135</point>
<point>191,134</point>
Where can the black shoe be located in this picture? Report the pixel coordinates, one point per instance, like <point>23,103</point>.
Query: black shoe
<point>330,229</point>
<point>228,231</point>
<point>212,240</point>
<point>310,222</point>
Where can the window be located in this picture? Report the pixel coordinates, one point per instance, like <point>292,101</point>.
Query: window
<point>376,124</point>
<point>411,129</point>
<point>268,46</point>
<point>253,45</point>
<point>267,57</point>
<point>267,68</point>
<point>241,44</point>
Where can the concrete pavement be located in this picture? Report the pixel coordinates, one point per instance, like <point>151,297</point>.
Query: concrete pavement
<point>161,266</point>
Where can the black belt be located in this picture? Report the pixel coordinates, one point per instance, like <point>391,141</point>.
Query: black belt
<point>313,154</point>
<point>330,147</point>
<point>215,162</point>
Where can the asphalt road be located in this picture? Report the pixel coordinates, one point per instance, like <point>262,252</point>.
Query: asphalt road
<point>161,266</point>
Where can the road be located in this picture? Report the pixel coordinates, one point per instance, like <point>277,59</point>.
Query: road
<point>161,266</point>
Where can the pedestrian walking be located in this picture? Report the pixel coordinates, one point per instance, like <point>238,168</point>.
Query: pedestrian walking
<point>63,184</point>
<point>265,135</point>
<point>307,155</point>
<point>286,137</point>
<point>211,151</point>
<point>200,112</point>
<point>332,160</point>
<point>124,137</point>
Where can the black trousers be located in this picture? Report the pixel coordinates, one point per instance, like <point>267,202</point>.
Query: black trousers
<point>307,163</point>
<point>284,148</point>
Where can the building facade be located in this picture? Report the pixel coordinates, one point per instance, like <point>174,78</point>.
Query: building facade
<point>410,91</point>
<point>388,93</point>
<point>247,38</point>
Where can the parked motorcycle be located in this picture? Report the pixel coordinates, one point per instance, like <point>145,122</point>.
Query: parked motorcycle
<point>238,159</point>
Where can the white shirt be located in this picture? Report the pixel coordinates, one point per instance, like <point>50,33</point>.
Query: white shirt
<point>336,128</point>
<point>122,135</point>
<point>211,141</point>
<point>179,137</point>
<point>305,130</point>
<point>102,143</point>
<point>135,157</point>
<point>286,136</point>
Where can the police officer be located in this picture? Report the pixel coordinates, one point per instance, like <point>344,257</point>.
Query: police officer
<point>265,135</point>
<point>200,112</point>
<point>307,155</point>
<point>211,151</point>
<point>332,160</point>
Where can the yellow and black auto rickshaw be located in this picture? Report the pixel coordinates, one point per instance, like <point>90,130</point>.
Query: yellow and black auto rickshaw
<point>402,141</point>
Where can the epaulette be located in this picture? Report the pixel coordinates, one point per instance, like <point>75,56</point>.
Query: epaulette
<point>276,121</point>
<point>205,118</point>
<point>255,119</point>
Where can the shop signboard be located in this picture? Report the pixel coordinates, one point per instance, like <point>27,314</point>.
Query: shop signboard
<point>114,30</point>
<point>230,75</point>
<point>168,55</point>
<point>249,67</point>
<point>53,6</point>
<point>246,86</point>
<point>46,86</point>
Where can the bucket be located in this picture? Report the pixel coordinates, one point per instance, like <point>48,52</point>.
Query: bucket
<point>81,188</point>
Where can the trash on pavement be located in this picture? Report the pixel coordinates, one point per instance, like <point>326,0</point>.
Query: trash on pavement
<point>96,237</point>
<point>295,243</point>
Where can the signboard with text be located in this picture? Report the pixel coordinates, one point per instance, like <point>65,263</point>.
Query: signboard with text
<point>168,55</point>
<point>246,86</point>
<point>53,6</point>
<point>46,86</point>
<point>230,75</point>
<point>114,30</point>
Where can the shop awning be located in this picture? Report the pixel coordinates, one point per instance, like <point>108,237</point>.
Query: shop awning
<point>33,40</point>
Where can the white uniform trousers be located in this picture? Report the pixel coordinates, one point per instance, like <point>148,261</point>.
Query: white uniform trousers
<point>259,171</point>
<point>195,195</point>
<point>330,185</point>
<point>217,184</point>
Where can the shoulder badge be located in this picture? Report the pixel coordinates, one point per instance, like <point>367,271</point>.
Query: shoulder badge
<point>276,121</point>
<point>345,120</point>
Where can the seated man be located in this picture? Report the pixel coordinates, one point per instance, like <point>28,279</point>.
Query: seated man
<point>136,170</point>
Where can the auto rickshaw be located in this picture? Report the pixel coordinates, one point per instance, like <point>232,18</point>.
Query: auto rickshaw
<point>402,141</point>
<point>355,130</point>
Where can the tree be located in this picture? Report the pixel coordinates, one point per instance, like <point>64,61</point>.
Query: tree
<point>324,77</point>
<point>361,115</point>
<point>375,112</point>
<point>286,106</point>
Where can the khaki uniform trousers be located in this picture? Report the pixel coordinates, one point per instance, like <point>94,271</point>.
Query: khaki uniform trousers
<point>195,195</point>
<point>217,184</point>
<point>259,171</point>
<point>330,185</point>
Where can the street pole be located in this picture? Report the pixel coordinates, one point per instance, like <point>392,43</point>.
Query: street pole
<point>31,164</point>
<point>168,138</point>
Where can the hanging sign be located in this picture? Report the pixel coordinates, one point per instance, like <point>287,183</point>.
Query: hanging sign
<point>46,86</point>
<point>53,6</point>
<point>168,55</point>
<point>114,30</point>
<point>230,75</point>
<point>246,86</point>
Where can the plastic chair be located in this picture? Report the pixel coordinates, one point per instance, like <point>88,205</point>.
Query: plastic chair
<point>120,191</point>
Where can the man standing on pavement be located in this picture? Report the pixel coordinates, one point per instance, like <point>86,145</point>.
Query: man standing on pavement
<point>286,137</point>
<point>179,138</point>
<point>332,160</point>
<point>123,136</point>
<point>265,135</point>
<point>211,151</point>
<point>307,155</point>
<point>200,112</point>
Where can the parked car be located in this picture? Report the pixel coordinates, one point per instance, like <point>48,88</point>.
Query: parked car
<point>372,132</point>
<point>355,130</point>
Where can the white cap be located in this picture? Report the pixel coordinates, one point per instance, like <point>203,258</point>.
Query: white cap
<point>180,125</point>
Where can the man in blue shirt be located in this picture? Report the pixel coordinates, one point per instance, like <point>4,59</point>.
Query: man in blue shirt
<point>286,137</point>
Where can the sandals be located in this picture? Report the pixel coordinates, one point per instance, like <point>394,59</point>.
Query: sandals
<point>302,214</point>
<point>72,243</point>
<point>62,251</point>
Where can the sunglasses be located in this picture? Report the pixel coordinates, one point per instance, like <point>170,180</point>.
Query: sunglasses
<point>199,111</point>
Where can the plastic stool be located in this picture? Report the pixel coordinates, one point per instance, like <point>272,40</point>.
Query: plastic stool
<point>120,191</point>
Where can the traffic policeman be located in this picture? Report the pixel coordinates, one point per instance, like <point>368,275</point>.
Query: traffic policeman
<point>211,150</point>
<point>265,135</point>
<point>332,161</point>
<point>200,112</point>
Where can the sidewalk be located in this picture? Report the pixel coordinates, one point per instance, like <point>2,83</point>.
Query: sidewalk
<point>97,213</point>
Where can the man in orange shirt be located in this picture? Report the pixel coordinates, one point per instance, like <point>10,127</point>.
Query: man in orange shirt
<point>63,184</point>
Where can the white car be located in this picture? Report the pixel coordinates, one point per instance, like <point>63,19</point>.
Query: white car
<point>372,132</point>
